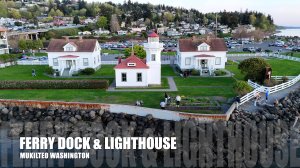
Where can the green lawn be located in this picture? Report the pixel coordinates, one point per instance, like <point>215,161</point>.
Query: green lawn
<point>284,67</point>
<point>295,54</point>
<point>170,53</point>
<point>194,87</point>
<point>167,70</point>
<point>23,72</point>
<point>112,51</point>
<point>233,67</point>
<point>205,81</point>
<point>280,68</point>
<point>105,70</point>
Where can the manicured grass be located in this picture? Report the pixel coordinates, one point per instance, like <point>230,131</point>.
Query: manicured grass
<point>280,68</point>
<point>105,70</point>
<point>233,67</point>
<point>112,51</point>
<point>20,72</point>
<point>170,53</point>
<point>205,81</point>
<point>284,67</point>
<point>192,87</point>
<point>167,70</point>
<point>295,54</point>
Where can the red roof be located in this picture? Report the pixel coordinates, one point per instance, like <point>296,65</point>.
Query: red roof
<point>2,29</point>
<point>204,55</point>
<point>139,64</point>
<point>153,34</point>
<point>69,56</point>
<point>190,45</point>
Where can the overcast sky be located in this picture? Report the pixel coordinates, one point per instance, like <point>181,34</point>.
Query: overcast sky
<point>284,12</point>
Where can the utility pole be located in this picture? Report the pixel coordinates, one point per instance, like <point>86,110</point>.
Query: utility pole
<point>216,25</point>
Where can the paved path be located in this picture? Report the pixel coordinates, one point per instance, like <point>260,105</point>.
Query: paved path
<point>171,82</point>
<point>249,106</point>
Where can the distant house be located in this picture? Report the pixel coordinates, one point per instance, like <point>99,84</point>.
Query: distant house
<point>85,33</point>
<point>122,32</point>
<point>3,41</point>
<point>68,56</point>
<point>100,32</point>
<point>173,32</point>
<point>205,55</point>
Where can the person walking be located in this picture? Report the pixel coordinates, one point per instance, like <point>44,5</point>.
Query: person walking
<point>267,95</point>
<point>178,99</point>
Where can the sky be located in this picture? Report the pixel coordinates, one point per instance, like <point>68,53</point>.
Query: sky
<point>284,12</point>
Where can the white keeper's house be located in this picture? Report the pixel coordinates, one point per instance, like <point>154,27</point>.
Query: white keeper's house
<point>205,55</point>
<point>68,56</point>
<point>136,72</point>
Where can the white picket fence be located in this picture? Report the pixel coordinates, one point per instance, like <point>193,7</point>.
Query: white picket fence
<point>7,64</point>
<point>274,89</point>
<point>34,62</point>
<point>265,55</point>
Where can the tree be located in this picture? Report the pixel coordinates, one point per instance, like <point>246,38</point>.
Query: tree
<point>138,51</point>
<point>3,9</point>
<point>168,17</point>
<point>101,22</point>
<point>252,19</point>
<point>254,69</point>
<point>114,23</point>
<point>76,20</point>
<point>22,45</point>
<point>14,14</point>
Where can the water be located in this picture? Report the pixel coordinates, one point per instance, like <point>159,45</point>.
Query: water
<point>289,32</point>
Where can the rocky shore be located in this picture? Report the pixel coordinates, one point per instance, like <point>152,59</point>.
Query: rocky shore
<point>58,122</point>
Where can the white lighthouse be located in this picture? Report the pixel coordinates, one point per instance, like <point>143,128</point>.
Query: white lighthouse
<point>153,58</point>
<point>136,72</point>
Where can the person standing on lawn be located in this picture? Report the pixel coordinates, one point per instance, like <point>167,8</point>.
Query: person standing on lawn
<point>33,73</point>
<point>166,97</point>
<point>178,99</point>
<point>237,102</point>
<point>162,105</point>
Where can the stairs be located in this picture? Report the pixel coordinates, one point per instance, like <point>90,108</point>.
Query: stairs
<point>66,72</point>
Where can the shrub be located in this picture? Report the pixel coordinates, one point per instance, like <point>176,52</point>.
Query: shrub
<point>270,83</point>
<point>284,79</point>
<point>195,72</point>
<point>54,84</point>
<point>220,73</point>
<point>254,69</point>
<point>242,88</point>
<point>49,70</point>
<point>87,71</point>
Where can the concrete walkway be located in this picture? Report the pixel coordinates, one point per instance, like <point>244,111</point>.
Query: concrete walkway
<point>249,106</point>
<point>171,82</point>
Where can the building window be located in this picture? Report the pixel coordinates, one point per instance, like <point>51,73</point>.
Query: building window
<point>69,49</point>
<point>85,62</point>
<point>124,77</point>
<point>187,61</point>
<point>55,62</point>
<point>139,77</point>
<point>153,57</point>
<point>218,60</point>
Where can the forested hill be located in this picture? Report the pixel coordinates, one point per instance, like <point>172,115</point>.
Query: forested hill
<point>129,12</point>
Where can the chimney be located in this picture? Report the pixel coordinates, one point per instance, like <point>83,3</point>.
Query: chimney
<point>207,38</point>
<point>80,38</point>
<point>66,38</point>
<point>119,60</point>
<point>194,38</point>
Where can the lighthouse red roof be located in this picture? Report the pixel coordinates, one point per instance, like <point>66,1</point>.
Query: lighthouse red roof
<point>132,62</point>
<point>153,34</point>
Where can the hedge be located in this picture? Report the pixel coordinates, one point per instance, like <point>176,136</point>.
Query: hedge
<point>54,84</point>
